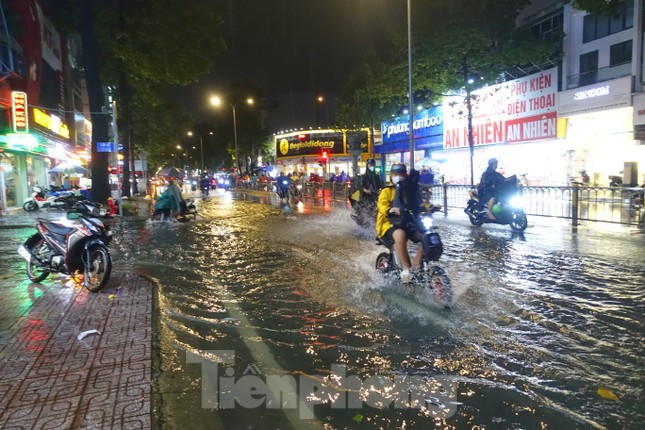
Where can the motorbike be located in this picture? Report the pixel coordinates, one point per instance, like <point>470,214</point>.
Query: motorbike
<point>296,192</point>
<point>188,209</point>
<point>42,199</point>
<point>78,244</point>
<point>364,208</point>
<point>205,188</point>
<point>431,278</point>
<point>584,179</point>
<point>283,190</point>
<point>508,209</point>
<point>224,183</point>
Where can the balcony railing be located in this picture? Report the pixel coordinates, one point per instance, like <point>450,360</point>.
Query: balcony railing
<point>599,75</point>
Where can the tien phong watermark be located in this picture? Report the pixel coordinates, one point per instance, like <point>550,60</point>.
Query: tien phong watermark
<point>222,388</point>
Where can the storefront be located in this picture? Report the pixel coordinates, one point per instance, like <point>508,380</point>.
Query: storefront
<point>305,151</point>
<point>23,165</point>
<point>428,137</point>
<point>599,122</point>
<point>515,122</point>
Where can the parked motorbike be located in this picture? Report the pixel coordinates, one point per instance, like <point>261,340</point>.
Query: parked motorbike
<point>508,209</point>
<point>42,199</point>
<point>432,278</point>
<point>584,179</point>
<point>79,244</point>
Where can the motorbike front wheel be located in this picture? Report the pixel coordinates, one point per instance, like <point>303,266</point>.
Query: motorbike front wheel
<point>30,206</point>
<point>440,286</point>
<point>519,222</point>
<point>383,264</point>
<point>97,268</point>
<point>35,272</point>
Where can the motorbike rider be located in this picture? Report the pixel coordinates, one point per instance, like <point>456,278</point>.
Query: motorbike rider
<point>488,186</point>
<point>370,181</point>
<point>397,234</point>
<point>178,205</point>
<point>282,183</point>
<point>204,184</point>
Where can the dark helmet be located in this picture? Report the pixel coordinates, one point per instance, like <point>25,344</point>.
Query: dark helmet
<point>492,161</point>
<point>371,162</point>
<point>398,168</point>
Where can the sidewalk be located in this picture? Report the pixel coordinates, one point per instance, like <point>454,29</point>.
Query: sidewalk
<point>51,379</point>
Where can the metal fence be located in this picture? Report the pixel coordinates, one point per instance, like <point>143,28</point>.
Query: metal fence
<point>620,205</point>
<point>581,203</point>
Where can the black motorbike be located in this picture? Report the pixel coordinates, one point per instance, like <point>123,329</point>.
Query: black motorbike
<point>364,207</point>
<point>79,244</point>
<point>432,278</point>
<point>507,210</point>
<point>296,191</point>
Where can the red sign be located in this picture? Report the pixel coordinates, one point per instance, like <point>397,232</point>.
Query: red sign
<point>19,112</point>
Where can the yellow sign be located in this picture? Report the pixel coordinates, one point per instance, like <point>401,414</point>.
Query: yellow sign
<point>51,122</point>
<point>284,146</point>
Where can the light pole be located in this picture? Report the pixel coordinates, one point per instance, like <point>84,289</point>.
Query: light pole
<point>217,101</point>
<point>186,155</point>
<point>411,95</point>
<point>201,146</point>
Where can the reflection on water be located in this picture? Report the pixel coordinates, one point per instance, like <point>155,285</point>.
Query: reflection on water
<point>539,324</point>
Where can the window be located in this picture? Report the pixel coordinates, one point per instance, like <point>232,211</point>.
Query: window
<point>597,26</point>
<point>620,53</point>
<point>588,68</point>
<point>548,28</point>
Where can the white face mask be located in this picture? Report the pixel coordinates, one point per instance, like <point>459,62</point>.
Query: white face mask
<point>396,179</point>
<point>371,168</point>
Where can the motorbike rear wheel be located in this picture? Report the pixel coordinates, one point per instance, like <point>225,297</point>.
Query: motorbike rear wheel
<point>383,264</point>
<point>97,268</point>
<point>35,272</point>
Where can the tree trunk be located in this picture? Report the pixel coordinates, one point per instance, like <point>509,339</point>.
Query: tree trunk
<point>100,125</point>
<point>124,117</point>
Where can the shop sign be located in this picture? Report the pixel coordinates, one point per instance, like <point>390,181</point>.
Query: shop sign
<point>51,122</point>
<point>426,123</point>
<point>19,112</point>
<point>597,97</point>
<point>104,146</point>
<point>639,109</point>
<point>520,110</point>
<point>50,41</point>
<point>311,142</point>
<point>21,142</point>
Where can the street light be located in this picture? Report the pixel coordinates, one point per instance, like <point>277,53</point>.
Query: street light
<point>186,155</point>
<point>217,101</point>
<point>201,146</point>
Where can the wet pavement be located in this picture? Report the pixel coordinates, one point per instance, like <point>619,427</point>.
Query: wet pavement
<point>540,323</point>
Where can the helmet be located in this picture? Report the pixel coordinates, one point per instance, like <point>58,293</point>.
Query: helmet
<point>398,168</point>
<point>371,162</point>
<point>492,161</point>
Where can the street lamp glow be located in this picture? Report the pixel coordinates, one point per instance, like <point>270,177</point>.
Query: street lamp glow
<point>178,146</point>
<point>190,133</point>
<point>321,99</point>
<point>217,101</point>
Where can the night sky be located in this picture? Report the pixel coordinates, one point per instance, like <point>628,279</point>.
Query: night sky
<point>295,45</point>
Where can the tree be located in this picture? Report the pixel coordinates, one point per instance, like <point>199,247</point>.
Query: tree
<point>600,7</point>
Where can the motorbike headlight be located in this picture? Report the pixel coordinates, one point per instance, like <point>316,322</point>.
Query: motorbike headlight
<point>517,202</point>
<point>299,186</point>
<point>427,222</point>
<point>227,182</point>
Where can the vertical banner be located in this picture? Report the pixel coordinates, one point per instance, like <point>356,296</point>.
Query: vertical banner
<point>19,112</point>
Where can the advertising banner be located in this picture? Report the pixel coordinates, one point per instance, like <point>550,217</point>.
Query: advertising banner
<point>50,41</point>
<point>520,110</point>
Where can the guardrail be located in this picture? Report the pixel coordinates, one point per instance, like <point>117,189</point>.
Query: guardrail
<point>619,205</point>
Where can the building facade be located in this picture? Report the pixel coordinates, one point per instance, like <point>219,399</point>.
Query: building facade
<point>584,113</point>
<point>39,70</point>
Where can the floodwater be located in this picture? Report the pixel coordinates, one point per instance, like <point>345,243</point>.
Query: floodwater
<point>540,322</point>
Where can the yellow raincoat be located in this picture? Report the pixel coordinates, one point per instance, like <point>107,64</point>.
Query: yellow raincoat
<point>385,199</point>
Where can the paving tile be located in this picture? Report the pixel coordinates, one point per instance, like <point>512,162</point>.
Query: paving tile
<point>50,379</point>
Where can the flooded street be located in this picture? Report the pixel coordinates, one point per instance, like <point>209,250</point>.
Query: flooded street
<point>539,323</point>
